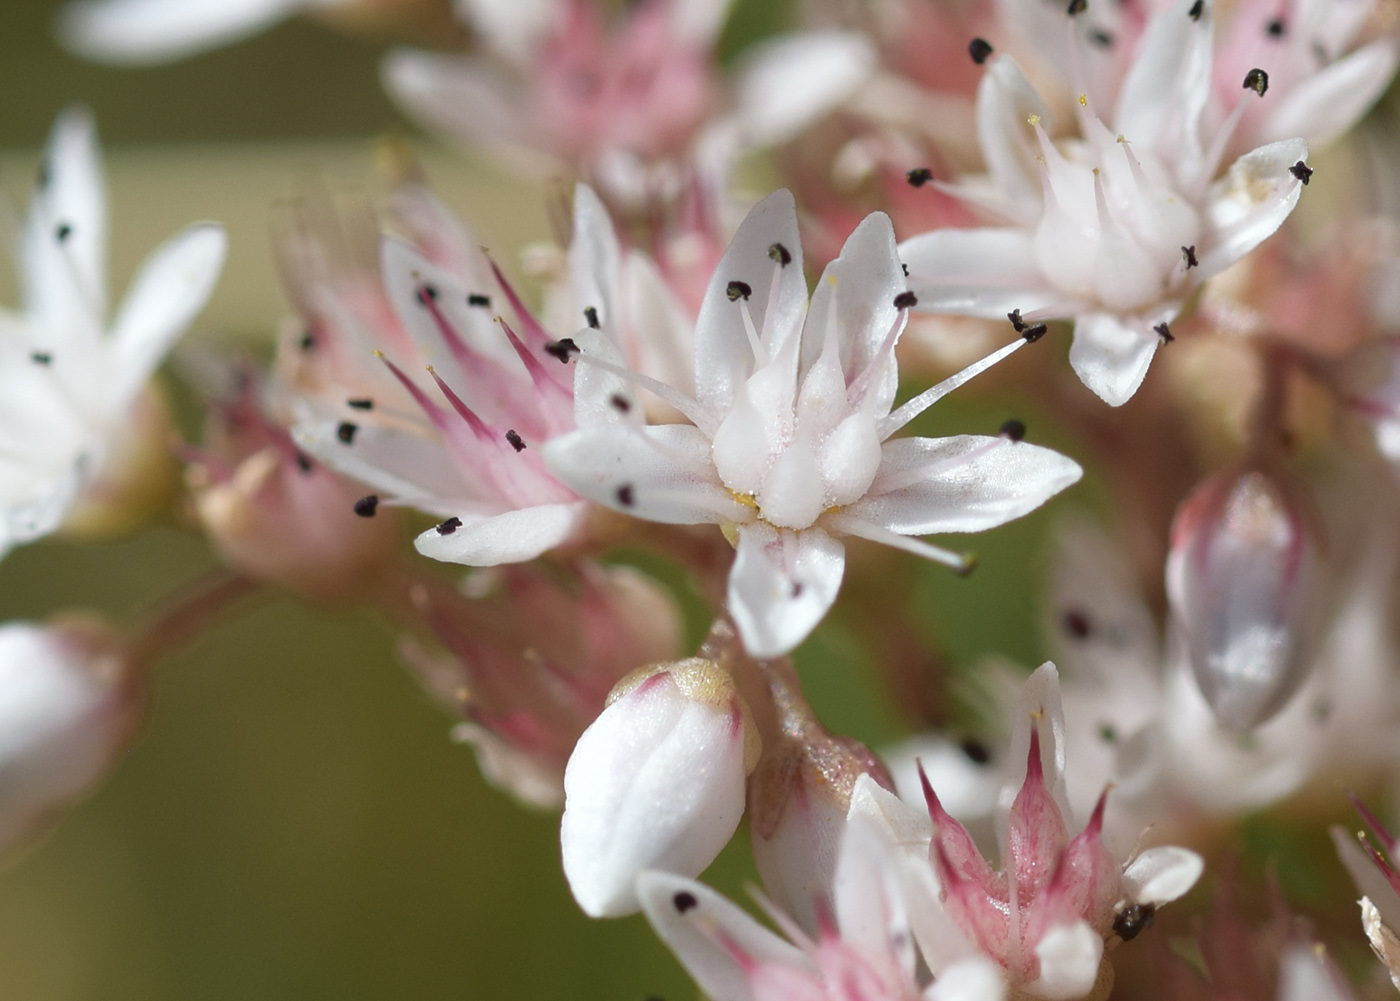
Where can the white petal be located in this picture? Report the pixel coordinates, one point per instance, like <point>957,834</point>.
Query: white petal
<point>511,770</point>
<point>1005,102</point>
<point>1368,879</point>
<point>1038,704</point>
<point>722,356</point>
<point>46,504</point>
<point>975,978</point>
<point>1161,874</point>
<point>1168,84</point>
<point>698,934</point>
<point>63,249</point>
<point>861,284</point>
<point>786,84</point>
<point>660,473</point>
<point>1111,354</point>
<point>408,467</point>
<point>656,782</point>
<point>133,32</point>
<point>466,99</point>
<point>513,537</point>
<point>1249,203</point>
<point>697,23</point>
<point>967,789</point>
<point>968,483</point>
<point>1328,103</point>
<point>1305,975</point>
<point>1069,962</point>
<point>166,295</point>
<point>781,585</point>
<point>513,28</point>
<point>594,257</point>
<point>978,272</point>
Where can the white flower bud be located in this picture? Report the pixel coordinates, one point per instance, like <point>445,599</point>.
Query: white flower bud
<point>1241,579</point>
<point>657,782</point>
<point>67,708</point>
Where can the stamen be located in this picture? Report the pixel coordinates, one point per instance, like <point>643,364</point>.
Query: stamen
<point>303,463</point>
<point>620,403</point>
<point>920,176</point>
<point>1133,920</point>
<point>979,49</point>
<point>1275,28</point>
<point>1077,624</point>
<point>1196,10</point>
<point>346,432</point>
<point>906,300</point>
<point>780,254</point>
<point>1017,324</point>
<point>449,526</point>
<point>360,404</point>
<point>516,442</point>
<point>962,563</point>
<point>1256,80</point>
<point>1077,7</point>
<point>1014,430</point>
<point>684,901</point>
<point>669,394</point>
<point>1163,331</point>
<point>627,497</point>
<point>737,290</point>
<point>365,507</point>
<point>590,313</point>
<point>760,353</point>
<point>1301,171</point>
<point>479,300</point>
<point>887,426</point>
<point>63,232</point>
<point>41,358</point>
<point>855,392</point>
<point>1189,254</point>
<point>563,349</point>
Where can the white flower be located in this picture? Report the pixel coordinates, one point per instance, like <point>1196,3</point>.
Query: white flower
<point>1116,228</point>
<point>69,381</point>
<point>629,105</point>
<point>789,446</point>
<point>68,706</point>
<point>656,782</point>
<point>137,32</point>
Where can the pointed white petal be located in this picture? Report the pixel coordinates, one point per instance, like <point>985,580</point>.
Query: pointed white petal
<point>968,483</point>
<point>594,258</point>
<point>1306,975</point>
<point>975,978</point>
<point>135,32</point>
<point>512,537</point>
<point>723,359</point>
<point>1161,874</point>
<point>656,782</point>
<point>1006,101</point>
<point>63,246</point>
<point>788,83</point>
<point>1331,101</point>
<point>1038,704</point>
<point>166,295</point>
<point>979,272</point>
<point>704,934</point>
<point>1369,880</point>
<point>781,585</point>
<point>1111,354</point>
<point>511,770</point>
<point>659,473</point>
<point>1249,203</point>
<point>466,99</point>
<point>861,284</point>
<point>408,467</point>
<point>513,28</point>
<point>1069,962</point>
<point>1168,84</point>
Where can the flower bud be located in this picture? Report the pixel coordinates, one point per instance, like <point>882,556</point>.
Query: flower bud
<point>282,518</point>
<point>799,796</point>
<point>68,705</point>
<point>528,692</point>
<point>657,782</point>
<point>1242,582</point>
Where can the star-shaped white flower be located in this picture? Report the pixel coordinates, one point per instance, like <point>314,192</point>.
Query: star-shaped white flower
<point>69,380</point>
<point>1116,228</point>
<point>790,442</point>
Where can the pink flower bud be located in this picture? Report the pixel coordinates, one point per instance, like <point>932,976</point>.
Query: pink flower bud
<point>68,705</point>
<point>657,782</point>
<point>1242,581</point>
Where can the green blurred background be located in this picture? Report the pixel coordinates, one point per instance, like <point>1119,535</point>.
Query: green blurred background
<point>294,823</point>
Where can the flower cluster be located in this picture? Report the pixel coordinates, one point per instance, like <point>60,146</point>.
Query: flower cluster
<point>734,389</point>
